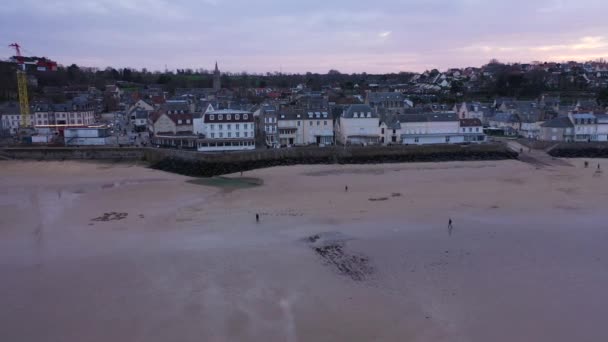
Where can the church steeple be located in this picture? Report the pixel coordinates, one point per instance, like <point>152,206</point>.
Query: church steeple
<point>217,81</point>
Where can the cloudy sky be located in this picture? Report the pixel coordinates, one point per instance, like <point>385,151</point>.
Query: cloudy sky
<point>309,35</point>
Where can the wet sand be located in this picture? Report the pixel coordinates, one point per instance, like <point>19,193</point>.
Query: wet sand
<point>102,252</point>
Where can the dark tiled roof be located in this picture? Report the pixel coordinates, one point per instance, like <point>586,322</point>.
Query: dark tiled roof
<point>470,122</point>
<point>505,117</point>
<point>229,112</point>
<point>359,108</point>
<point>183,117</point>
<point>561,122</point>
<point>384,96</point>
<point>440,117</point>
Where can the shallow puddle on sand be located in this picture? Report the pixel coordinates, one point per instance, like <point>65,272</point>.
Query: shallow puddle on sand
<point>228,184</point>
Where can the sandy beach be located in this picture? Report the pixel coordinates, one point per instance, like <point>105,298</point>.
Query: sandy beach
<point>117,252</point>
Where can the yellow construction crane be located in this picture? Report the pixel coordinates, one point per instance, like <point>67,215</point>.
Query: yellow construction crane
<point>24,103</point>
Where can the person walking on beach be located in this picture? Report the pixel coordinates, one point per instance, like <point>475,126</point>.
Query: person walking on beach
<point>257,217</point>
<point>598,166</point>
<point>586,164</point>
<point>346,188</point>
<point>450,227</point>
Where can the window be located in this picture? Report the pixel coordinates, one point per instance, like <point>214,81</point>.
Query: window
<point>179,122</point>
<point>309,123</point>
<point>245,134</point>
<point>220,126</point>
<point>382,130</point>
<point>324,123</point>
<point>245,126</point>
<point>394,131</point>
<point>212,135</point>
<point>298,123</point>
<point>369,114</point>
<point>220,117</point>
<point>470,129</point>
<point>318,123</point>
<point>212,127</point>
<point>228,126</point>
<point>447,139</point>
<point>237,117</point>
<point>463,129</point>
<point>237,134</point>
<point>229,134</point>
<point>476,129</point>
<point>237,126</point>
<point>416,140</point>
<point>228,116</point>
<point>355,115</point>
<point>245,116</point>
<point>211,117</point>
<point>221,135</point>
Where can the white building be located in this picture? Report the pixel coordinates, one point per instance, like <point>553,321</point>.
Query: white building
<point>227,130</point>
<point>530,130</point>
<point>11,118</point>
<point>70,113</point>
<point>303,127</point>
<point>359,124</point>
<point>585,127</point>
<point>88,136</point>
<point>472,110</point>
<point>602,127</point>
<point>432,128</point>
<point>472,129</point>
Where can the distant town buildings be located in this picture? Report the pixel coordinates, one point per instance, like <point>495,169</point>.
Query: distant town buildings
<point>433,107</point>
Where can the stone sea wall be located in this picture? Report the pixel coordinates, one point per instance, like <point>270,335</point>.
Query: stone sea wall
<point>207,165</point>
<point>580,150</point>
<point>212,164</point>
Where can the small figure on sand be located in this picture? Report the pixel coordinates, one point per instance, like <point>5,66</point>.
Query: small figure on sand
<point>598,166</point>
<point>450,227</point>
<point>346,188</point>
<point>586,164</point>
<point>257,217</point>
<point>241,173</point>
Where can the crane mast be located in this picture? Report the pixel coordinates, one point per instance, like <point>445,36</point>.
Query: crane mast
<point>24,105</point>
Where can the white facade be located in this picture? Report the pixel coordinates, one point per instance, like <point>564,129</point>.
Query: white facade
<point>530,130</point>
<point>198,125</point>
<point>432,129</point>
<point>473,111</point>
<point>602,128</point>
<point>141,122</point>
<point>360,130</point>
<point>12,122</point>
<point>585,127</point>
<point>75,118</point>
<point>389,135</point>
<point>86,136</point>
<point>271,129</point>
<point>305,129</point>
<point>226,130</point>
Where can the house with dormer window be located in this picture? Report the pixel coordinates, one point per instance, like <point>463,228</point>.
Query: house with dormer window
<point>358,124</point>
